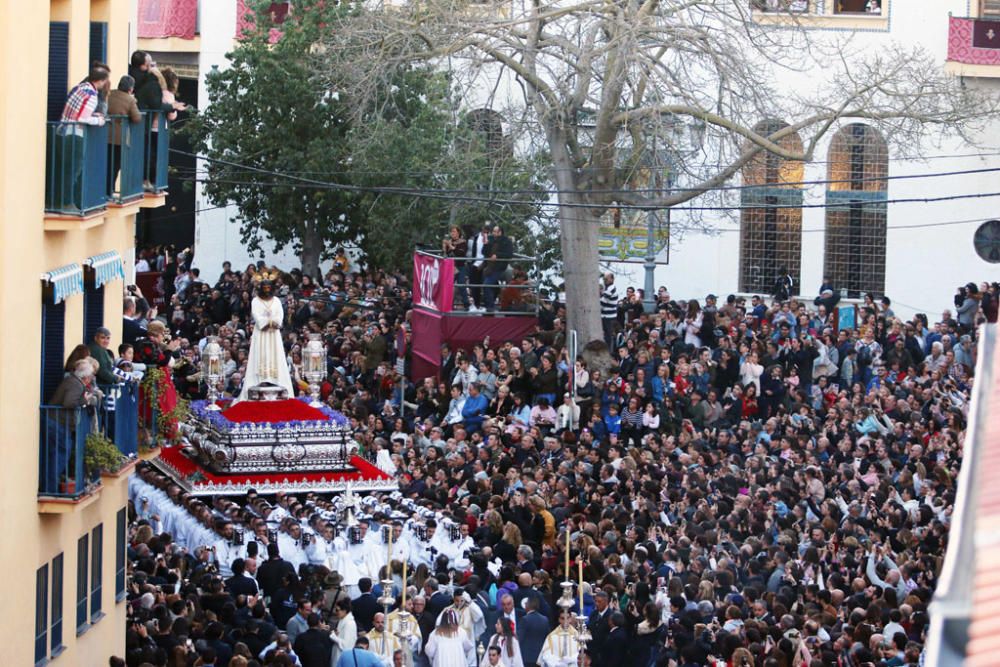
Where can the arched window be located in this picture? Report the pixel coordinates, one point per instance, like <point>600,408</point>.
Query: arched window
<point>771,237</point>
<point>489,125</point>
<point>854,256</point>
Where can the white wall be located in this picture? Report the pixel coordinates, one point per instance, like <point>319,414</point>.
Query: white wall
<point>217,235</point>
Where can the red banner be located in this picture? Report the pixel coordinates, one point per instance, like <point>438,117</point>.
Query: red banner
<point>167,18</point>
<point>433,282</point>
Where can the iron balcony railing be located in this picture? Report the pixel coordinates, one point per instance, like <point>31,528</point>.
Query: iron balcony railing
<point>514,292</point>
<point>63,439</point>
<point>61,471</point>
<point>126,159</point>
<point>76,166</point>
<point>86,166</point>
<point>157,151</point>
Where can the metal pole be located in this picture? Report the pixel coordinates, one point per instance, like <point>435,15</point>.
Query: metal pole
<point>648,300</point>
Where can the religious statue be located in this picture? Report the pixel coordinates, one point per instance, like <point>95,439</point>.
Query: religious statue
<point>267,362</point>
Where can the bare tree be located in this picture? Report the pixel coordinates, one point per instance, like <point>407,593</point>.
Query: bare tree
<point>599,81</point>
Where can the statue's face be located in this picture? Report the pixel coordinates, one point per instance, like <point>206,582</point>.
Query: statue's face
<point>266,289</point>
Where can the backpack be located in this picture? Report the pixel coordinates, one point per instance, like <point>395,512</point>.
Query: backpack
<point>864,356</point>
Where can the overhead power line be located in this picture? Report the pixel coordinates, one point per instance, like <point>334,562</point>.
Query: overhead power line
<point>762,186</point>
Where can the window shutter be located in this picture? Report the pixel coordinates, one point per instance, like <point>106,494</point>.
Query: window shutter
<point>58,68</point>
<point>93,311</point>
<point>989,8</point>
<point>53,346</point>
<point>98,42</point>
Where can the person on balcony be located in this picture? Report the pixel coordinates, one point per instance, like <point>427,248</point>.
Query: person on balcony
<point>122,102</point>
<point>76,390</point>
<point>80,109</point>
<point>99,349</point>
<point>499,251</point>
<point>150,84</point>
<point>456,247</point>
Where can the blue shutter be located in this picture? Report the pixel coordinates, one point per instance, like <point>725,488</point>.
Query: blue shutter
<point>121,531</point>
<point>55,632</point>
<point>41,613</point>
<point>53,346</point>
<point>98,42</point>
<point>96,572</point>
<point>93,310</point>
<point>58,68</point>
<point>82,570</point>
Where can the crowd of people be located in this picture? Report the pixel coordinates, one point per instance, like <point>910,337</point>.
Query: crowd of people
<point>742,484</point>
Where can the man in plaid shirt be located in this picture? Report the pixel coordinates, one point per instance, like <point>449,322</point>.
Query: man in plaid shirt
<point>83,100</point>
<point>80,109</point>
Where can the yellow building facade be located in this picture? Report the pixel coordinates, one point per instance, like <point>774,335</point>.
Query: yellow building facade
<point>61,558</point>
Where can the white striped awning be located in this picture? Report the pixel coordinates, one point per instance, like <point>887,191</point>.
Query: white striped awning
<point>66,281</point>
<point>107,266</point>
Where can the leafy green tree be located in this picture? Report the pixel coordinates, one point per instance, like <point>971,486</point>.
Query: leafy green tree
<point>313,168</point>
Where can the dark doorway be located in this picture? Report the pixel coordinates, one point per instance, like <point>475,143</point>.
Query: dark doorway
<point>174,223</point>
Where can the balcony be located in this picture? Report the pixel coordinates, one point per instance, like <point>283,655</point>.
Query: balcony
<point>88,166</point>
<point>973,47</point>
<point>66,434</point>
<point>863,15</point>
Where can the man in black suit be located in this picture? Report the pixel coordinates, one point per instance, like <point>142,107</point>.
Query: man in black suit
<point>271,573</point>
<point>240,583</point>
<point>314,646</point>
<point>616,644</point>
<point>426,620</point>
<point>365,606</point>
<point>599,626</point>
<point>437,599</point>
<point>531,632</point>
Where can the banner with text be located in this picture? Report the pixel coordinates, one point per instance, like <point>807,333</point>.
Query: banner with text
<point>433,282</point>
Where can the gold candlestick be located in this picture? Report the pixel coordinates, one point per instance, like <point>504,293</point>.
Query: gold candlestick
<point>404,584</point>
<point>567,551</point>
<point>388,559</point>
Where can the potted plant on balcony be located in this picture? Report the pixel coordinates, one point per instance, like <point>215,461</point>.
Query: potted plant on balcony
<point>101,455</point>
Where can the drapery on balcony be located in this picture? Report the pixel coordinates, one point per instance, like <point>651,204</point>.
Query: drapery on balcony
<point>973,41</point>
<point>167,18</point>
<point>63,439</point>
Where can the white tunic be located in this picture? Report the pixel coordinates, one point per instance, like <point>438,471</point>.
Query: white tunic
<point>457,651</point>
<point>267,361</point>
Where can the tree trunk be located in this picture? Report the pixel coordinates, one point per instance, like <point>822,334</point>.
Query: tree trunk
<point>312,250</point>
<point>580,270</point>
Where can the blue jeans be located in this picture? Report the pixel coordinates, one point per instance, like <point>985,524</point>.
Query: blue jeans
<point>461,279</point>
<point>490,291</point>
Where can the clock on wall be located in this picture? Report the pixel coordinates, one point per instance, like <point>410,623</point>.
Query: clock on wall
<point>987,241</point>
